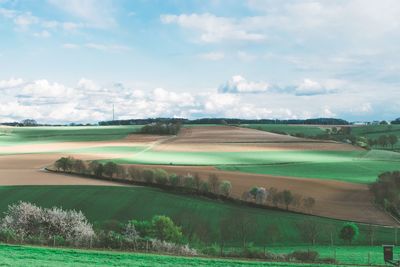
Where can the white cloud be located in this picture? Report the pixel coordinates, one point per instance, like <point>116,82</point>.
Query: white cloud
<point>43,88</point>
<point>214,29</point>
<point>107,47</point>
<point>238,84</point>
<point>70,46</point>
<point>87,101</point>
<point>245,56</point>
<point>11,83</point>
<point>42,34</point>
<point>311,87</point>
<point>26,21</point>
<point>93,12</point>
<point>213,56</point>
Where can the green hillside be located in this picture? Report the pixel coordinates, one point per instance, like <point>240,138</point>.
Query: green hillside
<point>101,204</point>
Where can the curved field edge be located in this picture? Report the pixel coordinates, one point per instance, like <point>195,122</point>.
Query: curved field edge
<point>350,166</point>
<point>41,256</point>
<point>126,203</point>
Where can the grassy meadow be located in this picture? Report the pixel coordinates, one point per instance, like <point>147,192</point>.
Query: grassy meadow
<point>40,256</point>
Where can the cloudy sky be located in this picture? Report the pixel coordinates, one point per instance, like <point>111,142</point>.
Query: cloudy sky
<point>71,60</point>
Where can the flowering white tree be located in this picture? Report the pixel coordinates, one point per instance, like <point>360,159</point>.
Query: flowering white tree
<point>27,220</point>
<point>130,232</point>
<point>22,218</point>
<point>164,246</point>
<point>261,195</point>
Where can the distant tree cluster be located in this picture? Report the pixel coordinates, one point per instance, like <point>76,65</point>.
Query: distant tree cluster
<point>386,190</point>
<point>223,121</point>
<point>276,198</point>
<point>384,141</point>
<point>161,128</point>
<point>396,121</point>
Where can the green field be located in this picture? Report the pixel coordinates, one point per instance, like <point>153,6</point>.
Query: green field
<point>28,135</point>
<point>41,256</point>
<point>101,204</point>
<point>350,166</point>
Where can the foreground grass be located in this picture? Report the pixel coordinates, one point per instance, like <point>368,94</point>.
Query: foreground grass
<point>344,254</point>
<point>40,256</point>
<point>27,135</point>
<point>195,214</point>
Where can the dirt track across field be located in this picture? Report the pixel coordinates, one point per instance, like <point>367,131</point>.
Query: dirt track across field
<point>334,199</point>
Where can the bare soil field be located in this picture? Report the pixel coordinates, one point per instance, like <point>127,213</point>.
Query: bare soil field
<point>334,199</point>
<point>235,139</point>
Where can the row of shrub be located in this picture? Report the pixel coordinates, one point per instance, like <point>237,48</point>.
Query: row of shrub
<point>161,128</point>
<point>27,223</point>
<point>386,190</point>
<point>212,186</point>
<point>274,197</point>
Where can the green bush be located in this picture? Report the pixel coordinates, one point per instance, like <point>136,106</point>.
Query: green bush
<point>349,232</point>
<point>148,175</point>
<point>164,229</point>
<point>175,180</point>
<point>211,250</point>
<point>161,176</point>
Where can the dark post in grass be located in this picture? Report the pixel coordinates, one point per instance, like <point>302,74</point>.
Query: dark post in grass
<point>388,255</point>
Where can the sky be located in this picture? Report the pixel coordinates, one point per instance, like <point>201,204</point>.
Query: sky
<point>64,61</point>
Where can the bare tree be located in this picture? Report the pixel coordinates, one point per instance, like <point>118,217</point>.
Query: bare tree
<point>297,200</point>
<point>197,181</point>
<point>225,231</point>
<point>79,166</point>
<point>287,198</point>
<point>243,226</point>
<point>273,233</point>
<point>213,181</point>
<point>370,233</point>
<point>309,203</point>
<point>309,230</point>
